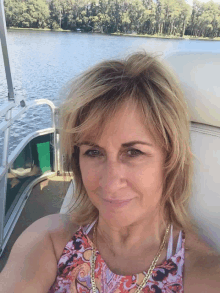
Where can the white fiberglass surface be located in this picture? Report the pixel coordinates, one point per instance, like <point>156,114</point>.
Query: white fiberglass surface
<point>205,202</point>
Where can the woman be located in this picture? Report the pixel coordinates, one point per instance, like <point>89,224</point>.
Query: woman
<point>126,138</point>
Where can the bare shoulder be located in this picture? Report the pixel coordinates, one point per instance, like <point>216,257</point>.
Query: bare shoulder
<point>58,223</point>
<point>202,266</point>
<point>33,259</point>
<point>61,228</point>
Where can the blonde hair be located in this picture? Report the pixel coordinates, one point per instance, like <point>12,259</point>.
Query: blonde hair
<point>96,95</point>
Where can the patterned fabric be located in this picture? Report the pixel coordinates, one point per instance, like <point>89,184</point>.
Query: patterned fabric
<point>73,273</point>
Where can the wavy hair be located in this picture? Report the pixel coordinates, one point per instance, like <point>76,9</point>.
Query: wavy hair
<point>95,96</point>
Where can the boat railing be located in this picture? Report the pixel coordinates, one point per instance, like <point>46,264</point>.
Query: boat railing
<point>26,164</point>
<point>37,156</point>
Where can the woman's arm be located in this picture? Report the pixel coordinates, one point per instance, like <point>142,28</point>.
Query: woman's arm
<point>32,264</point>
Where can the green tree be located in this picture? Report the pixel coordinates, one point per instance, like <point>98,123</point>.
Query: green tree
<point>212,14</point>
<point>36,14</point>
<point>205,19</point>
<point>137,15</point>
<point>149,24</point>
<point>55,14</point>
<point>13,12</point>
<point>184,16</point>
<point>160,16</point>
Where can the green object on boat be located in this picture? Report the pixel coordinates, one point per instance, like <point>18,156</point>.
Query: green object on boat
<point>44,156</point>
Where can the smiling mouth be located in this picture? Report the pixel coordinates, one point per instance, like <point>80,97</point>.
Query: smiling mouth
<point>116,202</point>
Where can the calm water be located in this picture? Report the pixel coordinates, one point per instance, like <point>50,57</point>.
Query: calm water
<point>42,62</point>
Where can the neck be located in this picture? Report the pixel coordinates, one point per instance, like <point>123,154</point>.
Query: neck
<point>145,234</point>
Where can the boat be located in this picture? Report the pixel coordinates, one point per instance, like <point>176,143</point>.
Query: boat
<point>36,161</point>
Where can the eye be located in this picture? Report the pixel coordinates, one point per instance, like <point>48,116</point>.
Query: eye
<point>93,153</point>
<point>134,153</point>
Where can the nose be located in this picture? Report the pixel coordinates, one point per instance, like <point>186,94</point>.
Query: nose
<point>113,177</point>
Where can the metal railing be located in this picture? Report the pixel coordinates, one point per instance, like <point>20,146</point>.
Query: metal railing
<point>7,161</point>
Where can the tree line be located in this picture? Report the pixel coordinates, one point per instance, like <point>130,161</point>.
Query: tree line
<point>153,17</point>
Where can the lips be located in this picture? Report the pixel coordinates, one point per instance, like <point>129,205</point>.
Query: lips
<point>116,202</point>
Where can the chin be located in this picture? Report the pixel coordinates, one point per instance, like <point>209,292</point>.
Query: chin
<point>120,218</point>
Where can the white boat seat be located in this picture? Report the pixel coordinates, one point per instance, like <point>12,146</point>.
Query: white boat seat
<point>68,199</point>
<point>199,76</point>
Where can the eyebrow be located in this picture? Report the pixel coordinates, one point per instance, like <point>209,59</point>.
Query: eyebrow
<point>127,144</point>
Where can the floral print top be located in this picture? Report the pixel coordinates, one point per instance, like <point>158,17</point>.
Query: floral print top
<point>73,273</point>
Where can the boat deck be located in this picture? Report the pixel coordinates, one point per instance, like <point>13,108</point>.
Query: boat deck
<point>46,198</point>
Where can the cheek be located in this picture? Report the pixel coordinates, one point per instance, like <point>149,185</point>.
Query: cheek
<point>148,177</point>
<point>148,183</point>
<point>90,175</point>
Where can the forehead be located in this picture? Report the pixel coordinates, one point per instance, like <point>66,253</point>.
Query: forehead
<point>126,124</point>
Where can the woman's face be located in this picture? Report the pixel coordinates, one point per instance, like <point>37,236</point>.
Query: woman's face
<point>123,171</point>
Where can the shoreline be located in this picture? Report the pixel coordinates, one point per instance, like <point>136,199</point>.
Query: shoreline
<point>37,29</point>
<point>167,37</point>
<point>122,34</point>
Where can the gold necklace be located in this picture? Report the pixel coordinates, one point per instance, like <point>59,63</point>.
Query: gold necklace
<point>146,278</point>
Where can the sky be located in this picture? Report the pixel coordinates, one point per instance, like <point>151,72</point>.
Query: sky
<point>204,1</point>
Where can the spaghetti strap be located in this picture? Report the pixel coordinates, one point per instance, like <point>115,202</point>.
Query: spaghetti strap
<point>170,243</point>
<point>88,228</point>
<point>179,242</point>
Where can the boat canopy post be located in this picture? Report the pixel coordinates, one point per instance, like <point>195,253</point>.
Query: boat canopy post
<point>11,97</point>
<point>3,37</point>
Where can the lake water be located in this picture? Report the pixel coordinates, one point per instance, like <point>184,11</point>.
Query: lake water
<point>43,61</point>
